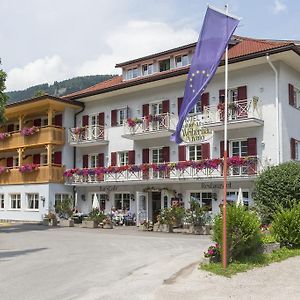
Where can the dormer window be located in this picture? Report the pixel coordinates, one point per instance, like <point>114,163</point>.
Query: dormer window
<point>164,65</point>
<point>147,69</point>
<point>132,73</point>
<point>181,61</point>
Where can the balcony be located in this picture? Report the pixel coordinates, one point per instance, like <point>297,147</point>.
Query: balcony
<point>44,135</point>
<point>241,114</point>
<point>44,174</point>
<point>88,136</point>
<point>150,127</point>
<point>188,171</point>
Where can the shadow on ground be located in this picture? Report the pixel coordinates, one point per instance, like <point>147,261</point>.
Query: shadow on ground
<point>21,227</point>
<point>11,254</point>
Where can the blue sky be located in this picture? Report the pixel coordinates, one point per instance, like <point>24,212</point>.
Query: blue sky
<point>43,41</point>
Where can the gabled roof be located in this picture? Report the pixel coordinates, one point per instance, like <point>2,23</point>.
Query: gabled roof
<point>243,49</point>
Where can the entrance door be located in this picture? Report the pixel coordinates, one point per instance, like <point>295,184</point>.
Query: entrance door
<point>142,207</point>
<point>156,205</point>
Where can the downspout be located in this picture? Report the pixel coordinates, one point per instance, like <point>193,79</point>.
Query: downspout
<point>277,108</point>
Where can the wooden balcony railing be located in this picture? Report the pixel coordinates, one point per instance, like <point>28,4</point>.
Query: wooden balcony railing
<point>189,170</point>
<point>43,174</point>
<point>45,135</point>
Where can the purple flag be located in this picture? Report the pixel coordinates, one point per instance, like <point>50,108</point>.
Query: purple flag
<point>215,34</point>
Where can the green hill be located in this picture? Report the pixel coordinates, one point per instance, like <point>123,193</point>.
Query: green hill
<point>58,88</point>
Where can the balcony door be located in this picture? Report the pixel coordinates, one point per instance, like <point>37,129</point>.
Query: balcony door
<point>239,148</point>
<point>156,111</point>
<point>156,157</point>
<point>93,127</point>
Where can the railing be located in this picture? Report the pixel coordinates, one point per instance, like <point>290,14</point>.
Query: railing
<point>44,135</point>
<point>150,124</point>
<point>237,110</point>
<point>87,134</point>
<point>212,168</point>
<point>43,174</point>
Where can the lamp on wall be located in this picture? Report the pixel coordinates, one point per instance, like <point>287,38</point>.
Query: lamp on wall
<point>83,197</point>
<point>43,199</point>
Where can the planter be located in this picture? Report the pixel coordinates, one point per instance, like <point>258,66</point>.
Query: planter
<point>143,228</point>
<point>207,229</point>
<point>157,227</point>
<point>269,248</point>
<point>167,228</point>
<point>206,261</point>
<point>46,222</point>
<point>107,226</point>
<point>89,224</point>
<point>66,223</point>
<point>196,229</point>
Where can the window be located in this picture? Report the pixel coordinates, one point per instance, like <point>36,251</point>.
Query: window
<point>93,160</point>
<point>60,198</point>
<point>194,152</point>
<point>147,69</point>
<point>181,61</point>
<point>205,199</point>
<point>232,195</point>
<point>122,158</point>
<point>164,65</point>
<point>196,108</point>
<point>297,97</point>
<point>232,95</point>
<point>157,155</point>
<point>15,201</point>
<point>297,150</point>
<point>45,122</point>
<point>156,108</point>
<point>122,201</point>
<point>93,120</point>
<point>16,161</point>
<point>32,201</point>
<point>132,73</point>
<point>1,201</point>
<point>121,116</point>
<point>239,148</point>
<point>44,159</point>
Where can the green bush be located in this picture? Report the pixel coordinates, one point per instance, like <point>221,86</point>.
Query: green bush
<point>172,215</point>
<point>276,186</point>
<point>286,225</point>
<point>64,208</point>
<point>196,215</point>
<point>243,231</point>
<point>96,215</point>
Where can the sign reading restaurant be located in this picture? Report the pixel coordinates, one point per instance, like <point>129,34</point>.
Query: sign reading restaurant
<point>194,131</point>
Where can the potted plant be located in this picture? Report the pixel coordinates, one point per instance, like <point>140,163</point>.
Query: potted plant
<point>94,218</point>
<point>212,255</point>
<point>50,219</point>
<point>64,211</point>
<point>107,223</point>
<point>195,216</point>
<point>166,220</point>
<point>146,226</point>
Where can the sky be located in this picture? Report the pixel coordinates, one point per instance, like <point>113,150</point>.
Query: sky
<point>42,41</point>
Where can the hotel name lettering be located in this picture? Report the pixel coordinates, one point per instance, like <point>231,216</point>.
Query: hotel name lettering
<point>193,130</point>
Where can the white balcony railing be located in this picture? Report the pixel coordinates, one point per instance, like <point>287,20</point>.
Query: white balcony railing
<point>212,168</point>
<point>150,124</point>
<point>86,134</point>
<point>238,110</point>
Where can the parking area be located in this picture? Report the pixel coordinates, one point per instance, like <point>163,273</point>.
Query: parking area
<point>39,262</point>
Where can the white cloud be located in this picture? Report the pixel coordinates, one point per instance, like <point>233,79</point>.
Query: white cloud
<point>133,40</point>
<point>279,7</point>
<point>43,70</point>
<point>136,39</point>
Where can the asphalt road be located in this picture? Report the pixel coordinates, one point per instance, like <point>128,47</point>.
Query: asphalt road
<point>40,263</point>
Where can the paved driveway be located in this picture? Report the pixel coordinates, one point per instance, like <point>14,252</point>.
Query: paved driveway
<point>38,262</point>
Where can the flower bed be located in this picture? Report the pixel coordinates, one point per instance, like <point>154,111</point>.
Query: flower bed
<point>29,131</point>
<point>4,135</point>
<point>29,168</point>
<point>3,170</point>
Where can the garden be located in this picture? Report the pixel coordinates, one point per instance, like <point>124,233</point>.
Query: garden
<point>269,232</point>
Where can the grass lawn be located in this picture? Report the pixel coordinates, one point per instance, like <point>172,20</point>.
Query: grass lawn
<point>250,262</point>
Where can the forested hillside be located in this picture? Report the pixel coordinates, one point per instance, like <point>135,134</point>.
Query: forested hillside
<point>57,88</point>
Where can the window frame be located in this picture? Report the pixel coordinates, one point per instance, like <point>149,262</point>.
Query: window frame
<point>122,200</point>
<point>146,73</point>
<point>200,200</point>
<point>35,201</point>
<point>123,161</point>
<point>182,64</point>
<point>95,157</point>
<point>2,201</point>
<point>196,151</point>
<point>62,196</point>
<point>17,201</point>
<point>164,60</point>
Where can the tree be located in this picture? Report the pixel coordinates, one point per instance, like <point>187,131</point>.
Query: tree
<point>3,96</point>
<point>275,187</point>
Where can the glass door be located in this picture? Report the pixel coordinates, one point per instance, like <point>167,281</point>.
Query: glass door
<point>142,207</point>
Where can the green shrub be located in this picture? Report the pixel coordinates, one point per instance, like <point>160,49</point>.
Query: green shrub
<point>286,225</point>
<point>172,215</point>
<point>276,186</point>
<point>96,215</point>
<point>196,215</point>
<point>64,208</point>
<point>243,231</point>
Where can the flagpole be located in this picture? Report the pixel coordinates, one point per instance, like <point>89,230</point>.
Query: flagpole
<point>225,157</point>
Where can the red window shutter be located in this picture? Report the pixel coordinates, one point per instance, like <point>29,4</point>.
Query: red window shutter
<point>113,120</point>
<point>10,127</point>
<point>166,154</point>
<point>293,148</point>
<point>181,153</point>
<point>9,162</point>
<point>101,160</point>
<point>145,110</point>
<point>58,120</point>
<point>242,92</point>
<point>37,122</point>
<point>179,104</point>
<point>205,151</point>
<point>204,100</point>
<point>131,157</point>
<point>113,158</point>
<point>291,95</point>
<point>36,159</point>
<point>85,120</point>
<point>252,147</point>
<point>166,106</point>
<point>145,157</point>
<point>85,161</point>
<point>57,158</point>
<point>221,96</point>
<point>101,118</point>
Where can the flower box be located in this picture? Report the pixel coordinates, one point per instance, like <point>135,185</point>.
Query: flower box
<point>29,131</point>
<point>196,229</point>
<point>107,226</point>
<point>4,135</point>
<point>167,228</point>
<point>28,168</point>
<point>3,170</point>
<point>89,224</point>
<point>49,222</point>
<point>66,223</point>
<point>157,227</point>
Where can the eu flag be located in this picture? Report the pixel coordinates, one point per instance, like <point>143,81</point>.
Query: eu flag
<point>215,34</point>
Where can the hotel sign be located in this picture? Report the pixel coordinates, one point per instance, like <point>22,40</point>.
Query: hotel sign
<point>194,131</point>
